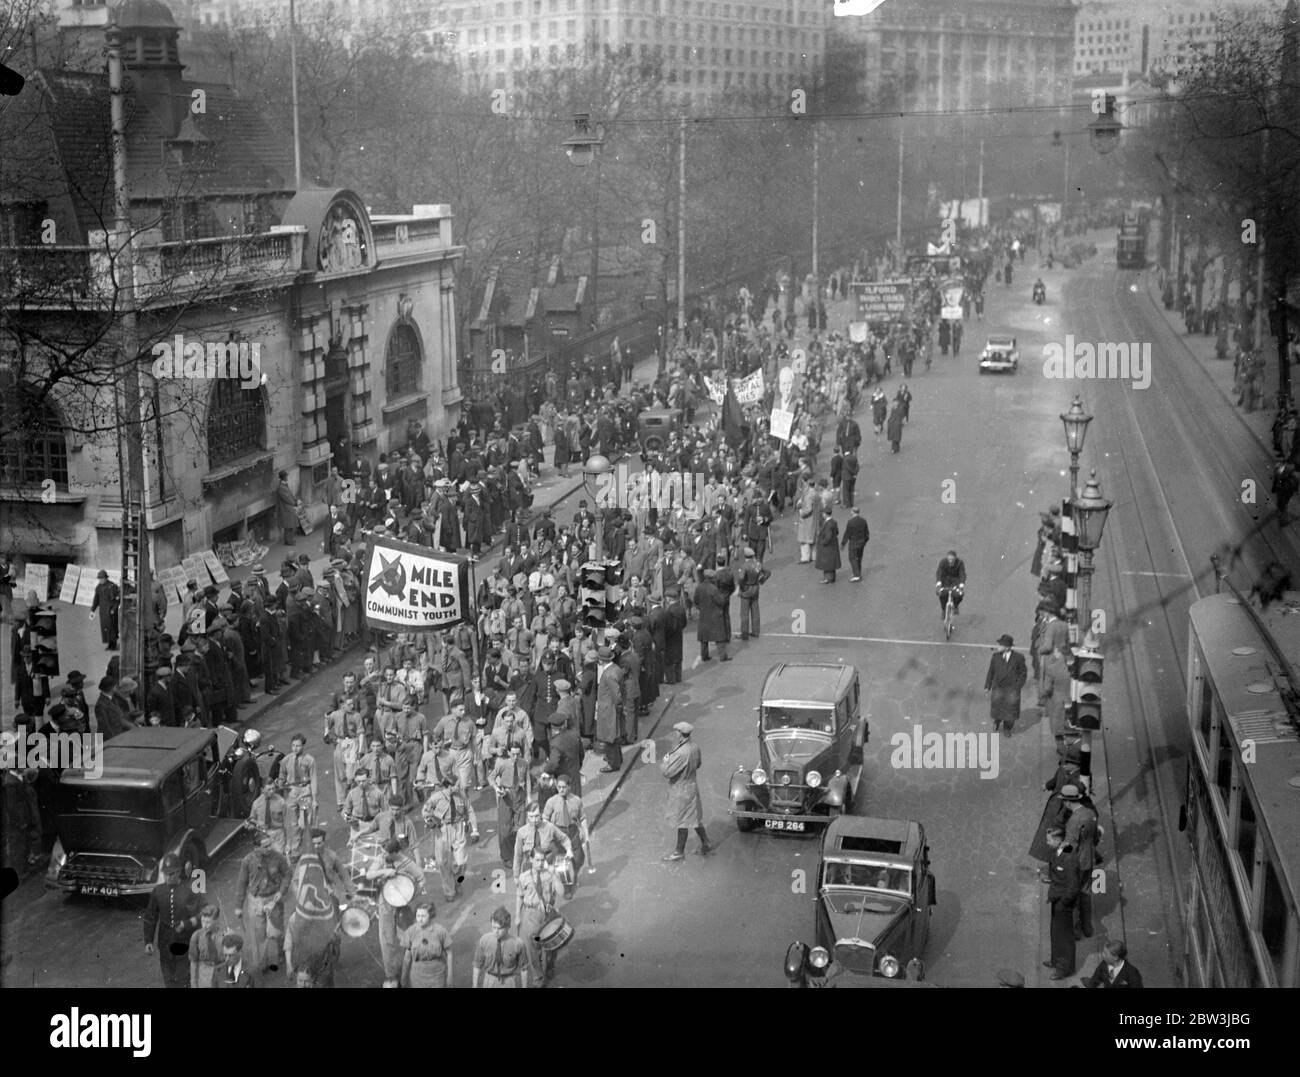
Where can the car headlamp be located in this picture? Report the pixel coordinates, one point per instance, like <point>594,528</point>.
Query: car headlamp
<point>814,779</point>
<point>889,966</point>
<point>819,957</point>
<point>759,776</point>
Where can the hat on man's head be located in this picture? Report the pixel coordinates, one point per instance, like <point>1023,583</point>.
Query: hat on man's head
<point>590,658</point>
<point>127,684</point>
<point>561,685</point>
<point>76,677</point>
<point>258,570</point>
<point>163,671</point>
<point>1070,792</point>
<point>102,575</point>
<point>1006,641</point>
<point>684,728</point>
<point>211,590</point>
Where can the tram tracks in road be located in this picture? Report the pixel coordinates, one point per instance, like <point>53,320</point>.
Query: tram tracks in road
<point>1157,529</point>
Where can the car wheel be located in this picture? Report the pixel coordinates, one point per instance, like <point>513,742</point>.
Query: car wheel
<point>245,785</point>
<point>745,825</point>
<point>192,859</point>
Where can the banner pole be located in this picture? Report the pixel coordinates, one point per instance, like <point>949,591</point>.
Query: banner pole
<point>473,607</point>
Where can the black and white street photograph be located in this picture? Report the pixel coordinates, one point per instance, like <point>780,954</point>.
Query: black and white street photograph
<point>642,494</point>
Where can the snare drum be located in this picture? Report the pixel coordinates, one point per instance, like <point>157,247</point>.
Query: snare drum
<point>398,891</point>
<point>564,873</point>
<point>555,934</point>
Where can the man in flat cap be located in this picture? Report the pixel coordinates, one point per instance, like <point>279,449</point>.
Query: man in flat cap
<point>1006,678</point>
<point>685,808</point>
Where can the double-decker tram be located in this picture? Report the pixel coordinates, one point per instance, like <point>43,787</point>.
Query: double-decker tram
<point>1242,809</point>
<point>1131,243</point>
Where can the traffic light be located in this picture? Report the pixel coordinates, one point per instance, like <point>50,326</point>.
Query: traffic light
<point>592,603</point>
<point>1084,710</point>
<point>613,590</point>
<point>45,640</point>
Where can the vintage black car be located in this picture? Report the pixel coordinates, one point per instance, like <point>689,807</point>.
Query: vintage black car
<point>810,738</point>
<point>162,790</point>
<point>655,425</point>
<point>873,900</point>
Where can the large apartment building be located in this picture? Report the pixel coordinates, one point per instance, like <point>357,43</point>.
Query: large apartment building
<point>706,46</point>
<point>918,54</point>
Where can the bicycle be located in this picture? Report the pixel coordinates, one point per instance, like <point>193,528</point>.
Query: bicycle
<point>950,611</point>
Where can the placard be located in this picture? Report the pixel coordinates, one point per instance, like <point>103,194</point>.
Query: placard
<point>749,389</point>
<point>409,588</point>
<point>71,580</point>
<point>37,578</point>
<point>215,567</point>
<point>858,332</point>
<point>86,584</point>
<point>881,298</point>
<point>195,570</point>
<point>782,422</point>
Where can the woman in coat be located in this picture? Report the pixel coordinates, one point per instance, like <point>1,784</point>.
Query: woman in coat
<point>563,453</point>
<point>894,428</point>
<point>828,549</point>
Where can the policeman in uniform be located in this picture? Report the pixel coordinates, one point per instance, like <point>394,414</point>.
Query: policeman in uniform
<point>446,813</point>
<point>264,877</point>
<point>170,918</point>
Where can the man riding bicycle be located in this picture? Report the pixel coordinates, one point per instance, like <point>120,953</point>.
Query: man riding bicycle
<point>950,578</point>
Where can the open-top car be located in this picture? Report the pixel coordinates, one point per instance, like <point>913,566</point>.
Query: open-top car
<point>162,790</point>
<point>873,898</point>
<point>1000,356</point>
<point>810,738</point>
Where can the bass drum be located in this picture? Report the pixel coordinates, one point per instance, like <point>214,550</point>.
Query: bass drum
<point>355,921</point>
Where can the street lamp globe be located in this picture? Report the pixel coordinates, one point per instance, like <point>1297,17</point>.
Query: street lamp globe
<point>597,465</point>
<point>1076,422</point>
<point>583,145</point>
<point>1090,512</point>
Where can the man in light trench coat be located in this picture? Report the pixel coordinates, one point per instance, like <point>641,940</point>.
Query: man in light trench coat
<point>685,809</point>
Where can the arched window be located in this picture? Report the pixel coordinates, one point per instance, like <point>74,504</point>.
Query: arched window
<point>236,422</point>
<point>32,444</point>
<point>402,361</point>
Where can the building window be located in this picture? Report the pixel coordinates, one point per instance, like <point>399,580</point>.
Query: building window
<point>33,447</point>
<point>236,422</point>
<point>402,362</point>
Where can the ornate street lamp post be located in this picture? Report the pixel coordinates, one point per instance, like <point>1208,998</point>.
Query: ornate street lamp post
<point>1090,512</point>
<point>593,472</point>
<point>1076,423</point>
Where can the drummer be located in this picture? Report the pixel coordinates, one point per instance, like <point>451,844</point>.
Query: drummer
<point>564,811</point>
<point>395,910</point>
<point>535,834</point>
<point>537,895</point>
<point>362,805</point>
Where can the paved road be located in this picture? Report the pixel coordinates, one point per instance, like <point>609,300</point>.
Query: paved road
<point>727,920</point>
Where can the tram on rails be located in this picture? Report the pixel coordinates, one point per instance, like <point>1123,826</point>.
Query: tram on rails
<point>1241,813</point>
<point>1131,243</point>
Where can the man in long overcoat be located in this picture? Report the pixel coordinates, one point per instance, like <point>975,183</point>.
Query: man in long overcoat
<point>478,525</point>
<point>685,808</point>
<point>712,627</point>
<point>675,621</point>
<point>609,705</point>
<point>894,428</point>
<point>107,600</point>
<point>828,549</point>
<point>1006,677</point>
<point>286,509</point>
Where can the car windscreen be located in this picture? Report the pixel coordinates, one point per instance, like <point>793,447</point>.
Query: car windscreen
<point>77,799</point>
<point>811,719</point>
<point>871,876</point>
